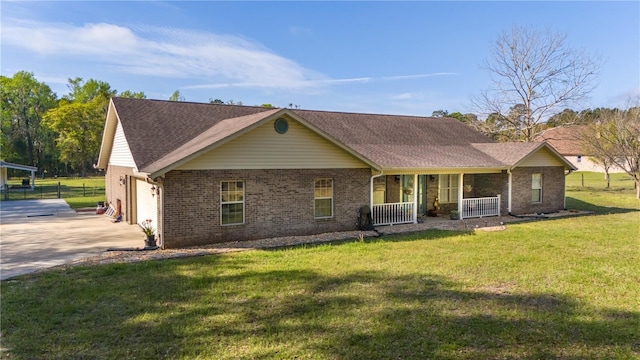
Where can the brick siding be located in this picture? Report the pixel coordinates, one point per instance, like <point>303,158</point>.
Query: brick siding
<point>488,185</point>
<point>553,185</point>
<point>277,203</point>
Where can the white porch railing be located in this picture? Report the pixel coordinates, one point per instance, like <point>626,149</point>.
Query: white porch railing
<point>393,213</point>
<point>480,207</point>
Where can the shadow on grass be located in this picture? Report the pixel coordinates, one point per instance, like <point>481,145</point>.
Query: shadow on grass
<point>418,235</point>
<point>223,308</point>
<point>573,203</point>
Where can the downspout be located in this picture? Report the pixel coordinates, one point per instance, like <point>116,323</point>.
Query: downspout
<point>509,188</point>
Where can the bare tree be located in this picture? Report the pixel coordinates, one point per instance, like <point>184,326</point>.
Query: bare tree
<point>615,140</point>
<point>534,74</point>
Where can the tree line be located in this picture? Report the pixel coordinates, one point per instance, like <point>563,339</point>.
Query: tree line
<point>61,136</point>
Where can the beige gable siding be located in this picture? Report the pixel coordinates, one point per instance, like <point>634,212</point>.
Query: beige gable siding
<point>264,148</point>
<point>121,154</point>
<point>542,157</point>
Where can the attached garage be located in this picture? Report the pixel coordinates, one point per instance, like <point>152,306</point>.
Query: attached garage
<point>146,203</point>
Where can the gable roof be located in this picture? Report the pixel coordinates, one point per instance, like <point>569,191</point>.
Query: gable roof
<point>513,154</point>
<point>164,134</point>
<point>564,139</point>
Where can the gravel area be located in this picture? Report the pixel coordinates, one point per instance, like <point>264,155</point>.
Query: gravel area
<point>482,224</point>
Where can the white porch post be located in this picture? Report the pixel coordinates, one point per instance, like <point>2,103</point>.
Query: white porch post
<point>415,198</point>
<point>510,187</point>
<point>371,194</point>
<point>460,193</point>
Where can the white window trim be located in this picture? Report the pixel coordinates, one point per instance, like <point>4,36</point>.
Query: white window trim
<point>222,203</point>
<point>452,189</point>
<point>540,188</point>
<point>322,198</point>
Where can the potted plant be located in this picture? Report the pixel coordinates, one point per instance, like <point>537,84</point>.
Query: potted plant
<point>454,215</point>
<point>149,231</point>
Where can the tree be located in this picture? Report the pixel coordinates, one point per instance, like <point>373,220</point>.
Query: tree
<point>84,92</point>
<point>615,140</point>
<point>176,96</point>
<point>494,126</point>
<point>78,122</point>
<point>440,113</point>
<point>23,101</point>
<point>132,95</point>
<point>564,118</point>
<point>535,73</point>
<point>216,101</point>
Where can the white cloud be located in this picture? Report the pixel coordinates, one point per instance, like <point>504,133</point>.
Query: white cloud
<point>163,52</point>
<point>216,61</point>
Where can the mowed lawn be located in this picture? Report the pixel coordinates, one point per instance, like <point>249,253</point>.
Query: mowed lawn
<point>564,288</point>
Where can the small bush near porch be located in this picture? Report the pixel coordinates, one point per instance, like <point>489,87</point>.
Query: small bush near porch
<point>564,288</point>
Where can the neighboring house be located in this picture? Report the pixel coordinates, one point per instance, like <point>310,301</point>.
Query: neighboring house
<point>566,140</point>
<point>206,173</point>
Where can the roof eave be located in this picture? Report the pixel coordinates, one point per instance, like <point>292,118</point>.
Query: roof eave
<point>108,136</point>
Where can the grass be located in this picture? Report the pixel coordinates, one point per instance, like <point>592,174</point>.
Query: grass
<point>77,192</point>
<point>564,288</point>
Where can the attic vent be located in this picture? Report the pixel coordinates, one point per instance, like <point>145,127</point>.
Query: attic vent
<point>281,125</point>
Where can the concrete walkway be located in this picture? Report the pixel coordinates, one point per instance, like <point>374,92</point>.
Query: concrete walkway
<point>36,234</point>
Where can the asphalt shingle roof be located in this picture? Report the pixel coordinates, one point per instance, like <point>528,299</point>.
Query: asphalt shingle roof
<point>161,133</point>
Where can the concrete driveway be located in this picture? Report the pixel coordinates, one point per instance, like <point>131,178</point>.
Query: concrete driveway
<point>36,234</point>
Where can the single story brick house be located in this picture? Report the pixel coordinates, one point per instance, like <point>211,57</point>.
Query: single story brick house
<point>207,173</point>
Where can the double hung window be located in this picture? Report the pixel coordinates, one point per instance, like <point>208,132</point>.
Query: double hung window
<point>232,202</point>
<point>536,188</point>
<point>323,198</point>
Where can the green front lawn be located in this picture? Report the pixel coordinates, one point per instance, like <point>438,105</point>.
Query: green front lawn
<point>564,288</point>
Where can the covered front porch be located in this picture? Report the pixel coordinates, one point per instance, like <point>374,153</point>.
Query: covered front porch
<point>408,198</point>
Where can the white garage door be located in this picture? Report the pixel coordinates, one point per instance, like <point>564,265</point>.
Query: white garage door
<point>146,204</point>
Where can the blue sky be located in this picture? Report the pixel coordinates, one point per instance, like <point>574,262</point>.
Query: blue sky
<point>375,57</point>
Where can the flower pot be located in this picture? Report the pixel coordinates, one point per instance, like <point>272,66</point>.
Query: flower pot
<point>150,241</point>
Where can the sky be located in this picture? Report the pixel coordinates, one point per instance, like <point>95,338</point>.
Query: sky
<point>409,58</point>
